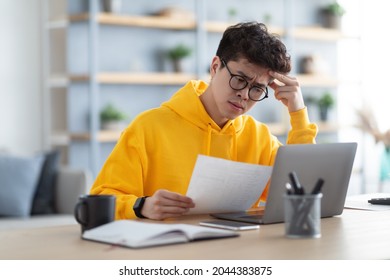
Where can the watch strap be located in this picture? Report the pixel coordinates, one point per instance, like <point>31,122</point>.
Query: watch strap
<point>138,205</point>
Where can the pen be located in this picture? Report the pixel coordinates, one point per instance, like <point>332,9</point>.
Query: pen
<point>298,189</point>
<point>318,186</point>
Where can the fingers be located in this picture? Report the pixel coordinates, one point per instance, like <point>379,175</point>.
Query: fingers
<point>287,90</point>
<point>165,204</point>
<point>284,79</point>
<point>173,198</point>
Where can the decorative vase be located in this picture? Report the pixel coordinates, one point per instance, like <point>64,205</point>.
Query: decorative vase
<point>331,21</point>
<point>177,65</point>
<point>324,113</point>
<point>113,125</point>
<point>112,6</point>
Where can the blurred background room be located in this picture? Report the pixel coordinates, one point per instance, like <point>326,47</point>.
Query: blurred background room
<point>74,73</point>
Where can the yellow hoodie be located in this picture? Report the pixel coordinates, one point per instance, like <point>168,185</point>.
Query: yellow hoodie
<point>159,148</point>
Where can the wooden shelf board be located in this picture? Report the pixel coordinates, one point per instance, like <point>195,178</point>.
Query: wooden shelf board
<point>220,27</point>
<point>327,127</point>
<point>317,33</point>
<point>107,136</point>
<point>139,21</point>
<point>147,21</point>
<point>145,78</point>
<point>104,136</point>
<point>316,80</point>
<point>78,17</point>
<point>181,78</point>
<point>163,22</point>
<point>138,78</point>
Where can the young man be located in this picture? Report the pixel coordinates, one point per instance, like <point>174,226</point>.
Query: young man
<point>150,167</point>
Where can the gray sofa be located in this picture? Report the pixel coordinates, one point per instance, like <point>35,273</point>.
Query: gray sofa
<point>70,184</point>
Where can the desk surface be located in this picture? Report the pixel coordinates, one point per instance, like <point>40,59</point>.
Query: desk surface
<point>356,234</point>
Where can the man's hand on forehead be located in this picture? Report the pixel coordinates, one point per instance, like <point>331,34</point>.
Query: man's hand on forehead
<point>287,90</point>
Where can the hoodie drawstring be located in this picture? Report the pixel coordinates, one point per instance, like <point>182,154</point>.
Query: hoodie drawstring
<point>234,134</point>
<point>208,144</point>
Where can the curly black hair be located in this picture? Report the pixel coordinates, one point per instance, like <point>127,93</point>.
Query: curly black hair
<point>251,40</point>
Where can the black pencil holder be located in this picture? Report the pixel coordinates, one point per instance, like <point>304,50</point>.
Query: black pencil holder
<point>302,215</point>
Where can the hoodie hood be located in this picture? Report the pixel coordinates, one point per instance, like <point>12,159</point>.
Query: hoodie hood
<point>187,104</point>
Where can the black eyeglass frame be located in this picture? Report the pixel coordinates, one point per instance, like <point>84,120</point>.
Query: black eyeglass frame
<point>265,90</point>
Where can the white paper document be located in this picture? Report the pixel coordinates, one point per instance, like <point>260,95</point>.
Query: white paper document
<point>219,185</point>
<point>361,202</point>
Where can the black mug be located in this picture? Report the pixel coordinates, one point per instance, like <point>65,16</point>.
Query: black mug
<point>94,210</point>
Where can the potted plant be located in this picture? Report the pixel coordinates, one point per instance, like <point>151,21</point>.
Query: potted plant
<point>332,14</point>
<point>112,6</point>
<point>176,55</point>
<point>267,17</point>
<point>232,14</point>
<point>325,102</point>
<point>111,118</point>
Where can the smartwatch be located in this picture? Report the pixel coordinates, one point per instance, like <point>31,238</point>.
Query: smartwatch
<point>139,203</point>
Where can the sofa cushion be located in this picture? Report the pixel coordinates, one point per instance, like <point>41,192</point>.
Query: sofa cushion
<point>18,180</point>
<point>43,202</point>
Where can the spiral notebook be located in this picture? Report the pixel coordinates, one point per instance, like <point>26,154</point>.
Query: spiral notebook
<point>137,234</point>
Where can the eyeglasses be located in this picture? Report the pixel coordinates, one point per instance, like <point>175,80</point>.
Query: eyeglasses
<point>238,82</point>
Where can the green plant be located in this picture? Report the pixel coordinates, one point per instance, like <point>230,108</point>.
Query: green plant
<point>111,113</point>
<point>334,8</point>
<point>178,52</point>
<point>326,101</point>
<point>232,12</point>
<point>267,17</point>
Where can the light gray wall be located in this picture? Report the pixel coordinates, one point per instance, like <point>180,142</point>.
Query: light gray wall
<point>20,76</point>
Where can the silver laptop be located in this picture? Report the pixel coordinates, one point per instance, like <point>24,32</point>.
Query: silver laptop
<point>332,162</point>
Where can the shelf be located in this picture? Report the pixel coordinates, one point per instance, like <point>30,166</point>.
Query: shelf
<point>177,28</point>
<point>220,27</point>
<point>317,80</point>
<point>156,78</point>
<point>138,78</point>
<point>327,127</point>
<point>113,136</point>
<point>62,138</point>
<point>163,22</point>
<point>317,33</point>
<point>106,136</point>
<point>102,136</point>
<point>160,22</point>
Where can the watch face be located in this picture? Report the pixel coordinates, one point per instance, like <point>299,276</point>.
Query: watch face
<point>139,203</point>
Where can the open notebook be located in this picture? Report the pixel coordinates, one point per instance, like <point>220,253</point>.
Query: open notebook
<point>136,234</point>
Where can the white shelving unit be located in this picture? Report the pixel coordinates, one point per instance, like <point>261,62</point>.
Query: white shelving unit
<point>91,28</point>
<point>54,24</point>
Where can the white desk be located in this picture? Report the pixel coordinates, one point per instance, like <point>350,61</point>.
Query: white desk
<point>356,234</point>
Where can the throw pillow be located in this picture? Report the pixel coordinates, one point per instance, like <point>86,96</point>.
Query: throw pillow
<point>43,202</point>
<point>18,181</point>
